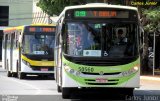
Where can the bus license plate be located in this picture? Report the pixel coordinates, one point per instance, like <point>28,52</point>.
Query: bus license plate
<point>44,69</point>
<point>101,80</point>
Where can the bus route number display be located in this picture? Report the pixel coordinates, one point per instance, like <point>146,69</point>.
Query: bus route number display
<point>40,29</point>
<point>100,14</point>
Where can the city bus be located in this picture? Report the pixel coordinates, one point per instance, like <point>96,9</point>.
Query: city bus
<point>29,49</point>
<point>89,53</point>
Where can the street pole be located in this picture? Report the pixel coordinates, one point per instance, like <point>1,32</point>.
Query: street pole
<point>154,47</point>
<point>48,19</point>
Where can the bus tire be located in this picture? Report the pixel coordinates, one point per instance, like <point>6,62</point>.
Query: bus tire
<point>21,75</point>
<point>59,89</point>
<point>9,74</point>
<point>66,93</point>
<point>53,76</point>
<point>14,74</point>
<point>129,91</point>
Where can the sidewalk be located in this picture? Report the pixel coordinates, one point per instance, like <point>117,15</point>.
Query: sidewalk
<point>151,77</point>
<point>0,63</point>
<point>1,69</point>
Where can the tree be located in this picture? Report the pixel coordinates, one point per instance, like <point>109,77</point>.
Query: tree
<point>153,19</point>
<point>55,7</point>
<point>151,24</point>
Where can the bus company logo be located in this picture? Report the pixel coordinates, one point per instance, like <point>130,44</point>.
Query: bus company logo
<point>87,52</point>
<point>101,73</point>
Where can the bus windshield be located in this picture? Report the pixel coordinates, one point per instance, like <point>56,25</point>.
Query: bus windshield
<point>101,39</point>
<point>38,44</point>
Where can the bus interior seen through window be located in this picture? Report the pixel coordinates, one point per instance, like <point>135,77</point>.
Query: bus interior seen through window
<point>101,39</point>
<point>41,44</point>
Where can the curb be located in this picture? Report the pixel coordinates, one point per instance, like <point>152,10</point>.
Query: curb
<point>150,78</point>
<point>2,70</point>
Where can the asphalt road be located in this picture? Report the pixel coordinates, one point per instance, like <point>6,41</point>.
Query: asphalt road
<point>34,88</point>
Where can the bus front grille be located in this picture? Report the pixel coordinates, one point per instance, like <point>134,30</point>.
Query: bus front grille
<point>102,83</point>
<point>115,73</point>
<point>108,82</point>
<point>38,68</point>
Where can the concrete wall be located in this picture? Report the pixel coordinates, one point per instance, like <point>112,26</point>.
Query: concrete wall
<point>20,11</point>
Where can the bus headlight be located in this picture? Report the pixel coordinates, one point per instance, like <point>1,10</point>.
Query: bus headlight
<point>71,71</point>
<point>78,73</point>
<point>130,71</point>
<point>68,69</point>
<point>26,63</point>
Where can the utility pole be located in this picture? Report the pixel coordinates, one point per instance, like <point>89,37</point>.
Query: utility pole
<point>49,20</point>
<point>154,47</point>
<point>105,1</point>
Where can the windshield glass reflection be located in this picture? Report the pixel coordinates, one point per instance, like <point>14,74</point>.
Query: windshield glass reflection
<point>39,44</point>
<point>101,39</point>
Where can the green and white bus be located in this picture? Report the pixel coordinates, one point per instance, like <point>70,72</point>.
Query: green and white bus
<point>89,52</point>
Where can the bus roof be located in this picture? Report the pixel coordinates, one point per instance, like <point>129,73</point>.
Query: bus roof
<point>21,27</point>
<point>97,5</point>
<point>12,28</point>
<point>41,24</point>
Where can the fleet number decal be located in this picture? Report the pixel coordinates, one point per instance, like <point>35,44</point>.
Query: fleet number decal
<point>86,69</point>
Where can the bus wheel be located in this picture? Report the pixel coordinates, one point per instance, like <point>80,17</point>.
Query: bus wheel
<point>51,76</point>
<point>66,93</point>
<point>21,75</point>
<point>14,74</point>
<point>59,88</point>
<point>129,91</point>
<point>9,74</point>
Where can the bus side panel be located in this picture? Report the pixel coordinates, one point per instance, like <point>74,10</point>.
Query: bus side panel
<point>4,46</point>
<point>11,51</point>
<point>58,65</point>
<point>8,53</point>
<point>15,54</point>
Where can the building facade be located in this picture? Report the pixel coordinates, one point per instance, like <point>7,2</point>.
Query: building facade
<point>19,11</point>
<point>41,17</point>
<point>14,13</point>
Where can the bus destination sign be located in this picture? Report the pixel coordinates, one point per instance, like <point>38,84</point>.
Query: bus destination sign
<point>41,29</point>
<point>100,14</point>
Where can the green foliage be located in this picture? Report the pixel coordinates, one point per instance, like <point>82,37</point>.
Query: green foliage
<point>54,7</point>
<point>153,18</point>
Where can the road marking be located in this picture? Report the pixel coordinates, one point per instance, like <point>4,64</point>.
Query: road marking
<point>150,78</point>
<point>38,91</point>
